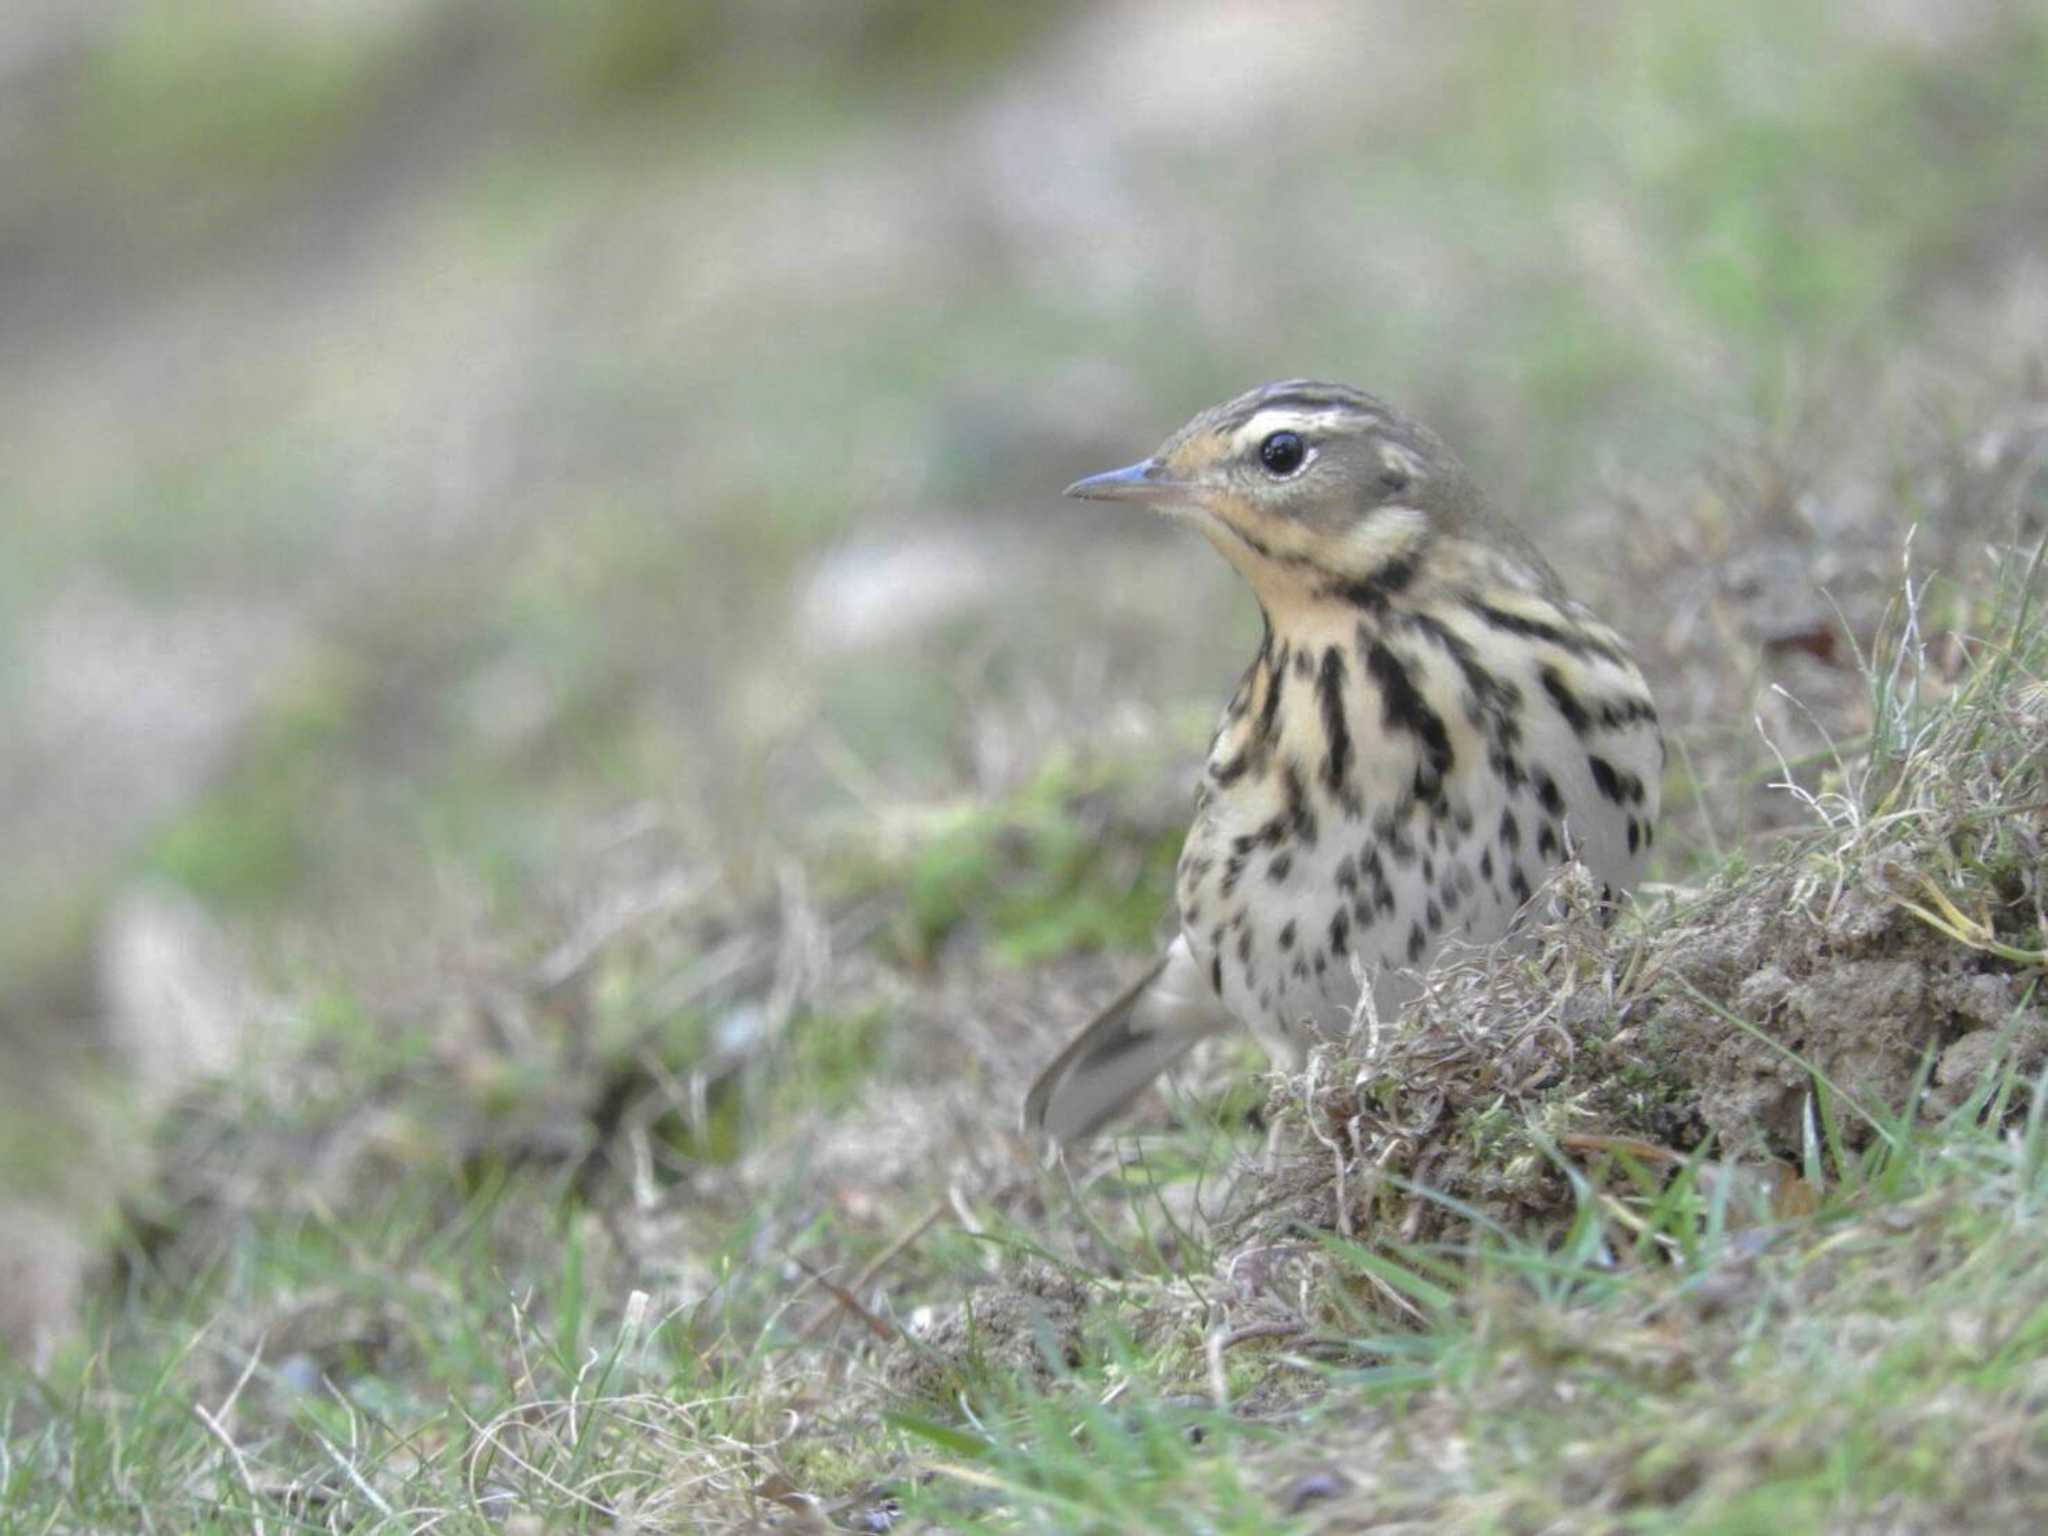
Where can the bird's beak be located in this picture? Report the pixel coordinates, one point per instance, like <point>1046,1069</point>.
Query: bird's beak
<point>1146,481</point>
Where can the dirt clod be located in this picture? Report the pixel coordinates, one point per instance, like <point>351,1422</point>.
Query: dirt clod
<point>1029,1326</point>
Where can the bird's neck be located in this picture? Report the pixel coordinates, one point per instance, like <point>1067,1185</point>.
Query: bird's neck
<point>1333,579</point>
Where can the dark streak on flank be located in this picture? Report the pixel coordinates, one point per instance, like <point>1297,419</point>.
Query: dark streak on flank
<point>1269,710</point>
<point>1567,702</point>
<point>1614,784</point>
<point>1241,698</point>
<point>1402,706</point>
<point>1330,693</point>
<point>1300,819</point>
<point>1617,713</point>
<point>1572,641</point>
<point>1494,694</point>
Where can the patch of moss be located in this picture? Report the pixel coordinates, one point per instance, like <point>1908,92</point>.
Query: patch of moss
<point>1067,865</point>
<point>249,841</point>
<point>829,1057</point>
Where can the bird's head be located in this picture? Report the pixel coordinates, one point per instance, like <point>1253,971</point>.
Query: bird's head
<point>1306,488</point>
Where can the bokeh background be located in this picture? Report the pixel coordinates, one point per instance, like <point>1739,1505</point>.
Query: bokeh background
<point>465,460</point>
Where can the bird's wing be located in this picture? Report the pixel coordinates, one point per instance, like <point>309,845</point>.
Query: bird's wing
<point>1136,1038</point>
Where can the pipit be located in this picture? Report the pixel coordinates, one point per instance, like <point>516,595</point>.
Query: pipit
<point>1430,726</point>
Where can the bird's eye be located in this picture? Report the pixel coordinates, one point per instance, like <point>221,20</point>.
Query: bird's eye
<point>1282,453</point>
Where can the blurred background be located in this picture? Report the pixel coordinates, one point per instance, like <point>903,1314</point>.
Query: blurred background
<point>459,457</point>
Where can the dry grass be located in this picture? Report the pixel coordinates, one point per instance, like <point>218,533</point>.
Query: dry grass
<point>683,1216</point>
<point>657,1170</point>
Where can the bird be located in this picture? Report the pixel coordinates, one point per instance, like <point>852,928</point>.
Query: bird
<point>1431,726</point>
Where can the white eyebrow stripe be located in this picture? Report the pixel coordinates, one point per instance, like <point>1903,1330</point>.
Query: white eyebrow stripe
<point>1280,419</point>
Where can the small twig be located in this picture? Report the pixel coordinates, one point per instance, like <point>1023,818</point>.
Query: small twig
<point>570,958</point>
<point>803,954</point>
<point>747,962</point>
<point>1337,1158</point>
<point>1272,1330</point>
<point>880,1262</point>
<point>1642,1151</point>
<point>887,1332</point>
<point>213,1427</point>
<point>248,1369</point>
<point>1219,1383</point>
<point>347,1470</point>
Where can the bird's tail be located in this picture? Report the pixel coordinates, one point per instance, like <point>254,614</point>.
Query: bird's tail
<point>1135,1038</point>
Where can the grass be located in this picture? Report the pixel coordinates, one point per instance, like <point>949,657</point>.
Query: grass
<point>1066,864</point>
<point>1877,1359</point>
<point>1638,1337</point>
<point>653,1168</point>
<point>1882,1358</point>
